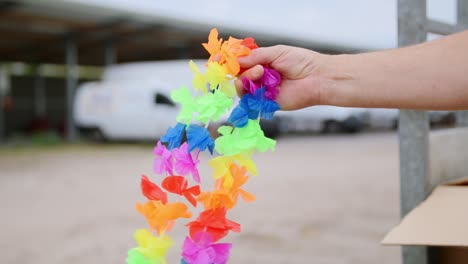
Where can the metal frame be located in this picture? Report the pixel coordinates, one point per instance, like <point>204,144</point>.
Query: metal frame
<point>413,27</point>
<point>4,88</point>
<point>71,57</point>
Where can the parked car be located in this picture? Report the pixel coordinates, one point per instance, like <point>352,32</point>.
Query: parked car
<point>382,118</point>
<point>442,118</point>
<point>326,119</point>
<point>388,118</point>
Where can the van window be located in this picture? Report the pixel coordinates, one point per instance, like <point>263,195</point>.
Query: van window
<point>161,99</point>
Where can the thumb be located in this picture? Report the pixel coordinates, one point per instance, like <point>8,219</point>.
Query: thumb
<point>263,56</point>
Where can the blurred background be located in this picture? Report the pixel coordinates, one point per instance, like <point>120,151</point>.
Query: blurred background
<point>85,93</point>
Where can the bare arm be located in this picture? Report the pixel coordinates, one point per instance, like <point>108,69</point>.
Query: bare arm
<point>432,75</point>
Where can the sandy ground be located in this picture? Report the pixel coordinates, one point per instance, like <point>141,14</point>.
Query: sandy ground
<point>320,199</point>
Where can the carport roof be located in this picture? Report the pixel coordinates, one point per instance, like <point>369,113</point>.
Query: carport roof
<point>29,34</point>
<point>35,32</point>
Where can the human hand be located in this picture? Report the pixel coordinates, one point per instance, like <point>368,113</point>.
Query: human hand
<point>300,69</point>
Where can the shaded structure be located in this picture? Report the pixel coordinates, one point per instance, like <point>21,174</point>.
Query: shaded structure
<point>53,41</point>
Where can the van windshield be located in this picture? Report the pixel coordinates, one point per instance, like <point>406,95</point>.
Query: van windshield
<point>161,99</point>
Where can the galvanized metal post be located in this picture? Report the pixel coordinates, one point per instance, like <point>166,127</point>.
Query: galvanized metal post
<point>4,87</point>
<point>71,58</point>
<point>462,20</point>
<point>40,106</point>
<point>110,53</point>
<point>413,129</point>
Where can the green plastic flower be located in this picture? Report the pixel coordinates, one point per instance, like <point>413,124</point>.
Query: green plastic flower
<point>212,106</point>
<point>241,140</point>
<point>189,106</point>
<point>135,257</point>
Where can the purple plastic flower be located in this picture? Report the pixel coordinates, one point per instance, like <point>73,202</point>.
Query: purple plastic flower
<point>271,79</point>
<point>202,250</point>
<point>250,86</point>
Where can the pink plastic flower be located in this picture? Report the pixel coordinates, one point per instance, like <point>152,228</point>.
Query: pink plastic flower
<point>163,160</point>
<point>186,163</point>
<point>202,250</point>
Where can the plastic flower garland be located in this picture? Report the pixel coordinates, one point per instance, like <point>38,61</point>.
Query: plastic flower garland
<point>178,160</point>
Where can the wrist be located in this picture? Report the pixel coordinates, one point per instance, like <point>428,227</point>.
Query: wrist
<point>337,78</point>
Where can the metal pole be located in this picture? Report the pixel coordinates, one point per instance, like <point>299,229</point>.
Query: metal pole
<point>40,106</point>
<point>110,53</point>
<point>462,20</point>
<point>4,87</point>
<point>71,56</point>
<point>413,129</point>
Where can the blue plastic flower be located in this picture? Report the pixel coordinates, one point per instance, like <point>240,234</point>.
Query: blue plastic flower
<point>251,106</point>
<point>239,116</point>
<point>259,105</point>
<point>199,137</point>
<point>173,136</point>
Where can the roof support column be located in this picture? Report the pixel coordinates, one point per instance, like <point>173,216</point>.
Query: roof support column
<point>40,105</point>
<point>413,129</point>
<point>71,59</point>
<point>462,19</point>
<point>4,88</point>
<point>110,52</point>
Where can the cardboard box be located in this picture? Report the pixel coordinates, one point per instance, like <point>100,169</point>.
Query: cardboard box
<point>440,221</point>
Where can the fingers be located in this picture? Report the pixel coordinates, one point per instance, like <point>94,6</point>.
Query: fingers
<point>253,73</point>
<point>264,56</point>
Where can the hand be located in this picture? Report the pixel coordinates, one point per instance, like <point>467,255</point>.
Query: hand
<point>300,70</point>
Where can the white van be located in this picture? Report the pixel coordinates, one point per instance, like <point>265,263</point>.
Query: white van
<point>132,102</point>
<point>124,110</point>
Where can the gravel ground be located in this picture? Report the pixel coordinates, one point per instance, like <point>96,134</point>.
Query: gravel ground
<point>320,199</point>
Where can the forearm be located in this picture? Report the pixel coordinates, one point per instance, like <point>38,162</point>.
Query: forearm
<point>433,75</point>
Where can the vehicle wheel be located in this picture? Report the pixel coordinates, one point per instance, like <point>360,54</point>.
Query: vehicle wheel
<point>331,126</point>
<point>270,128</point>
<point>352,125</point>
<point>96,135</point>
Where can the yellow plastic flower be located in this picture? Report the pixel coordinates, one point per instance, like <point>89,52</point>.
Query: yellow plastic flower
<point>217,77</point>
<point>222,164</point>
<point>153,248</point>
<point>199,81</point>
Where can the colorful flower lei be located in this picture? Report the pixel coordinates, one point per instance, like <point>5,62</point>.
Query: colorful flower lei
<point>231,169</point>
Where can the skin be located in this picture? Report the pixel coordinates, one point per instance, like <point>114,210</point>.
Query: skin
<point>430,76</point>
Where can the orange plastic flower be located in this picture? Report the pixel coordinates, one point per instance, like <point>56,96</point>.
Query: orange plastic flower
<point>161,216</point>
<point>222,166</point>
<point>214,45</point>
<point>227,52</point>
<point>239,178</point>
<point>216,199</point>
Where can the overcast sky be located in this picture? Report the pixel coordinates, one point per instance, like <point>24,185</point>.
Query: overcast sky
<point>363,24</point>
